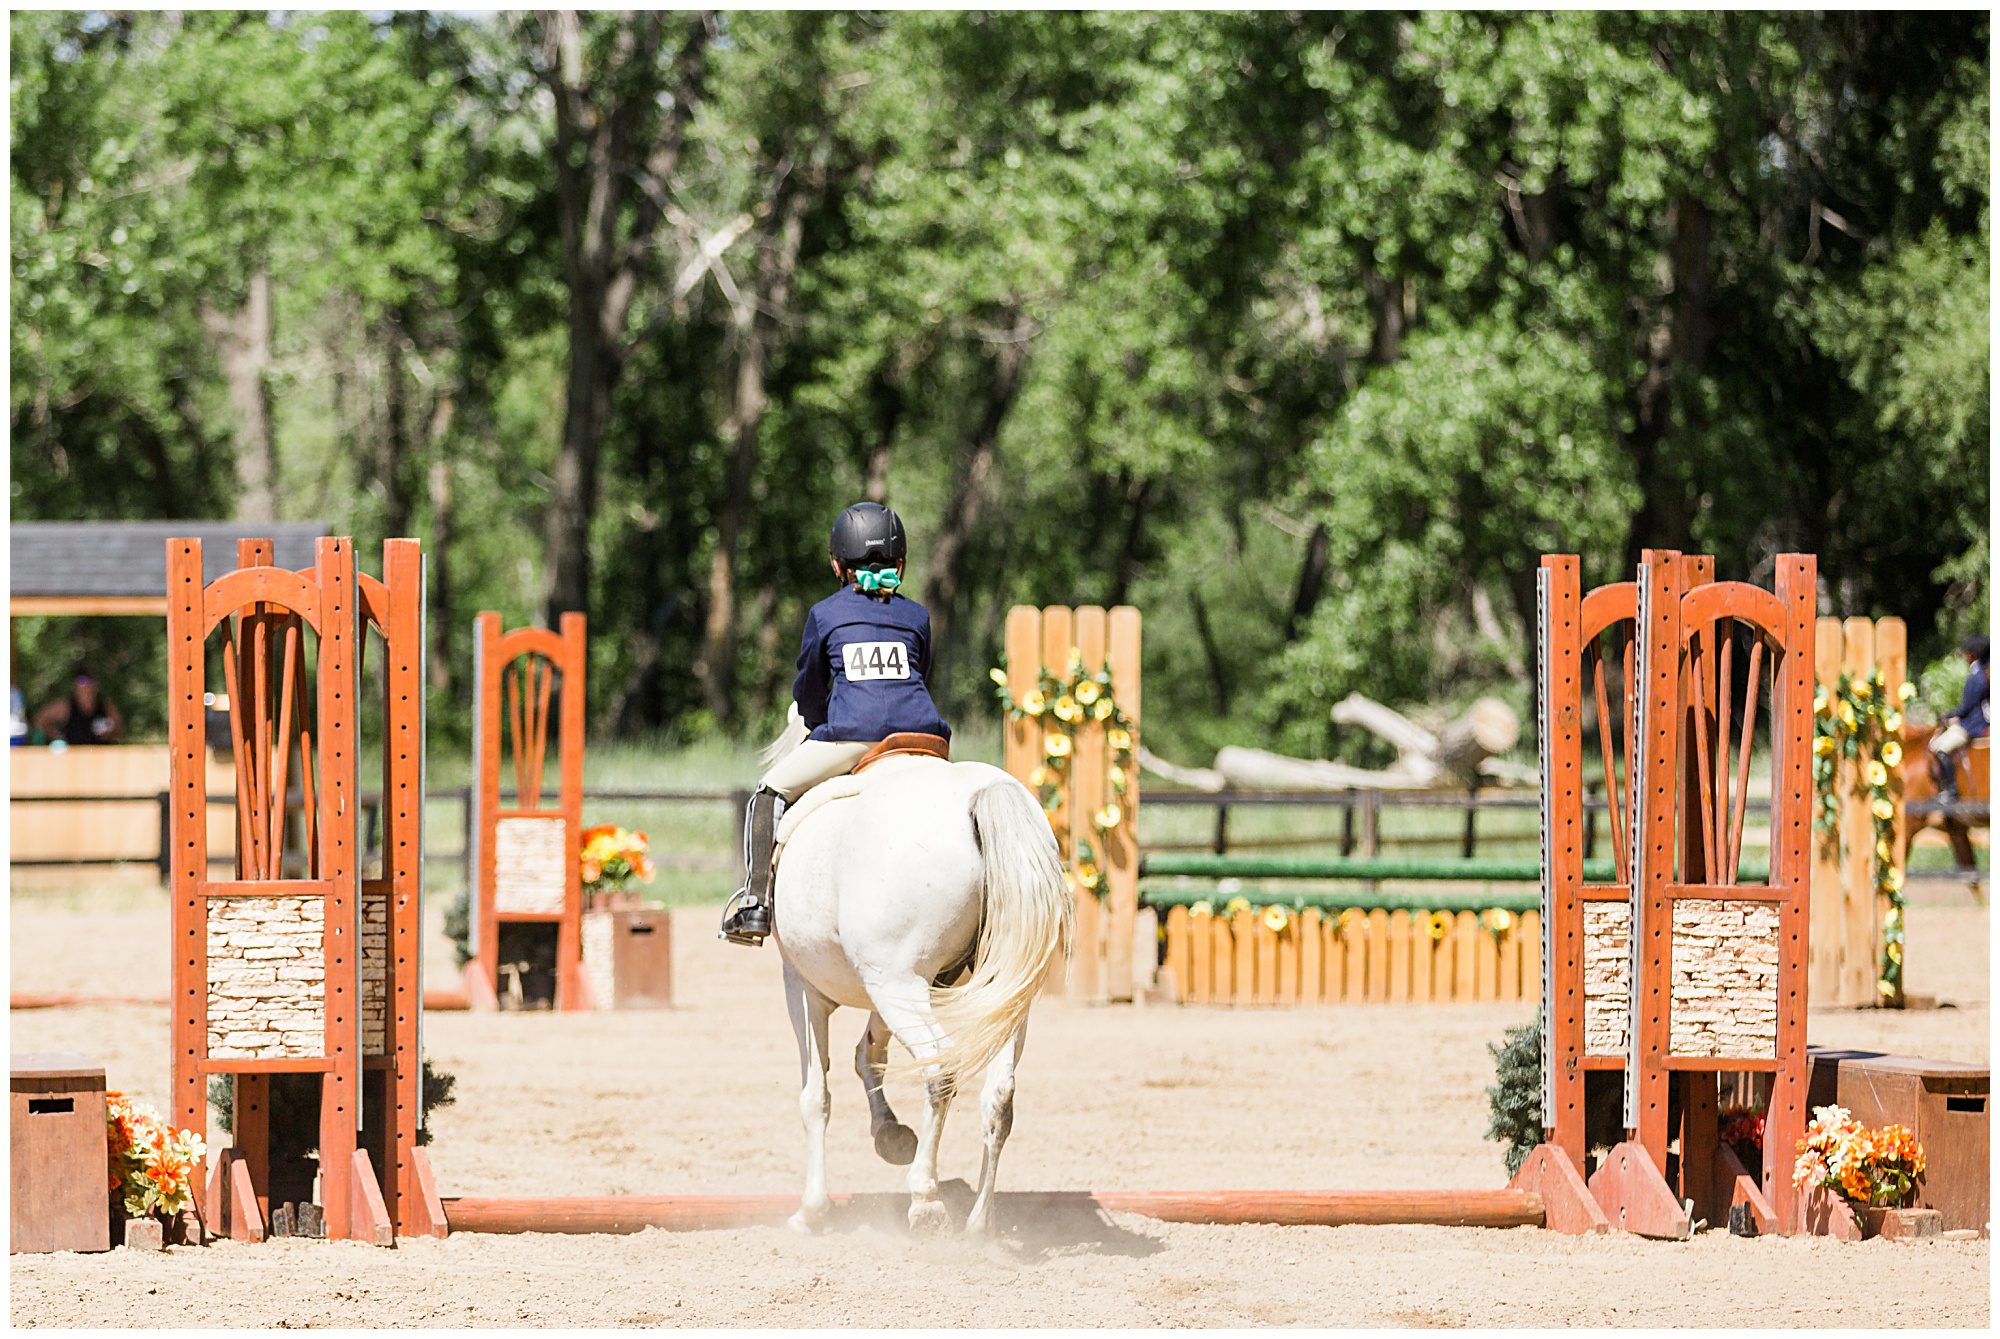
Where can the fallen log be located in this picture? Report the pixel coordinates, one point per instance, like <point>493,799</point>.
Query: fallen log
<point>1194,778</point>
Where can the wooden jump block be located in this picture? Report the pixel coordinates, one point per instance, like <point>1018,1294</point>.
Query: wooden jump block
<point>425,1217</point>
<point>1636,1198</point>
<point>1743,1192</point>
<point>233,1211</point>
<point>1567,1204</point>
<point>1912,1225</point>
<point>371,1215</point>
<point>144,1234</point>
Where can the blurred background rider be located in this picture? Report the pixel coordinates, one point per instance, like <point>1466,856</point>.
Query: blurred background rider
<point>1967,723</point>
<point>86,716</point>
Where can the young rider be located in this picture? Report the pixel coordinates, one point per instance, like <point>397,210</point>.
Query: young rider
<point>1965,724</point>
<point>862,666</point>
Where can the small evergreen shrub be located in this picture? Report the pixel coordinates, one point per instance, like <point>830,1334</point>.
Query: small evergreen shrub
<point>1515,1099</point>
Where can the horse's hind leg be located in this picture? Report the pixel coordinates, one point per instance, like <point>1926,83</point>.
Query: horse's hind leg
<point>809,1010</point>
<point>996,1114</point>
<point>906,1007</point>
<point>894,1141</point>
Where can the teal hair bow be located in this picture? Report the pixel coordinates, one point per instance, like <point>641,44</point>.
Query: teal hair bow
<point>873,582</point>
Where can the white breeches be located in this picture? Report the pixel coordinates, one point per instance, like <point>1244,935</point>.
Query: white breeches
<point>812,762</point>
<point>1950,739</point>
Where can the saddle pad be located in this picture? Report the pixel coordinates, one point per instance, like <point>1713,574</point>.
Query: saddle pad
<point>841,788</point>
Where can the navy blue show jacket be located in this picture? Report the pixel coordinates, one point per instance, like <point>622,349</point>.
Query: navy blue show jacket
<point>862,665</point>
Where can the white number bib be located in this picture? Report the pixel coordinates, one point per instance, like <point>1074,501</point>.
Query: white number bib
<point>875,660</point>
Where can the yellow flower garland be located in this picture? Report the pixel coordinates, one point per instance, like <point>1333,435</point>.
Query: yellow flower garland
<point>1062,706</point>
<point>1858,723</point>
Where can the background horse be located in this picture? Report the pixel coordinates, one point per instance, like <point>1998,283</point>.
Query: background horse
<point>934,898</point>
<point>1919,785</point>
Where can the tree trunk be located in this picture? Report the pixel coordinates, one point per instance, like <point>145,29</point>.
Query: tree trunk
<point>591,376</point>
<point>1211,652</point>
<point>1125,564</point>
<point>1460,754</point>
<point>1674,347</point>
<point>242,344</point>
<point>1388,299</point>
<point>1195,778</point>
<point>605,171</point>
<point>442,615</point>
<point>1312,582</point>
<point>393,460</point>
<point>889,404</point>
<point>770,651</point>
<point>758,320</point>
<point>968,492</point>
<point>1260,769</point>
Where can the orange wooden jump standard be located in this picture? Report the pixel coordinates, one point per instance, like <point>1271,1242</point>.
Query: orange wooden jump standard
<point>338,992</point>
<point>535,843</point>
<point>1677,831</point>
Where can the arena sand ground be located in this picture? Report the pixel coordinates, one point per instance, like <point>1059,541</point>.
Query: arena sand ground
<point>704,1098</point>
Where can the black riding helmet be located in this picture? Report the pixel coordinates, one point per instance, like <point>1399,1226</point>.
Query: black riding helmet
<point>868,534</point>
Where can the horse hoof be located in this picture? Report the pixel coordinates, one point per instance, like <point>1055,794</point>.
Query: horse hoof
<point>807,1224</point>
<point>929,1217</point>
<point>979,1223</point>
<point>896,1145</point>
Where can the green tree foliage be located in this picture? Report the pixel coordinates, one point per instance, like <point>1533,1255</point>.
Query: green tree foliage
<point>1305,332</point>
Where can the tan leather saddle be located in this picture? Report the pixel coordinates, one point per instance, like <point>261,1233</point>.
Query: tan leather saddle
<point>906,743</point>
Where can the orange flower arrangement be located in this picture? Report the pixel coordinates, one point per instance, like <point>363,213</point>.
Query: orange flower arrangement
<point>152,1165</point>
<point>612,857</point>
<point>1867,1168</point>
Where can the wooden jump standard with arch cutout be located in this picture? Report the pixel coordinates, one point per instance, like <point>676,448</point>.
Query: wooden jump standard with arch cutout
<point>1677,969</point>
<point>301,965</point>
<point>524,855</point>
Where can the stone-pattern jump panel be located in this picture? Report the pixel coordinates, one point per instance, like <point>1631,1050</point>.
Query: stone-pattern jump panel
<point>374,971</point>
<point>528,865</point>
<point>1607,976</point>
<point>266,977</point>
<point>1725,983</point>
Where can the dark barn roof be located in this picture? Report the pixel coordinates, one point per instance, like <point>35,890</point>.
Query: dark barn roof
<point>114,559</point>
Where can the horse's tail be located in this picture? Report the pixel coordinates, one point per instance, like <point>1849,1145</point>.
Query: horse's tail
<point>1024,931</point>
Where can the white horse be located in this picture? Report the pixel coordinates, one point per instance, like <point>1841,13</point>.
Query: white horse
<point>934,898</point>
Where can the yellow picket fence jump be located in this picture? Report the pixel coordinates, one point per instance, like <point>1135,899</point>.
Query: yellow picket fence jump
<point>1355,956</point>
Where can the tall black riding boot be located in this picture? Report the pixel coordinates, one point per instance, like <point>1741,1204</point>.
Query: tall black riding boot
<point>747,918</point>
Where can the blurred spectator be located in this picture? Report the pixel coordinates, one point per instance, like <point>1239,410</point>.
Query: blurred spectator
<point>17,716</point>
<point>1965,724</point>
<point>86,716</point>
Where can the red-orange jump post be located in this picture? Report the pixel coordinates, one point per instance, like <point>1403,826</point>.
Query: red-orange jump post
<point>392,903</point>
<point>525,857</point>
<point>270,971</point>
<point>1586,660</point>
